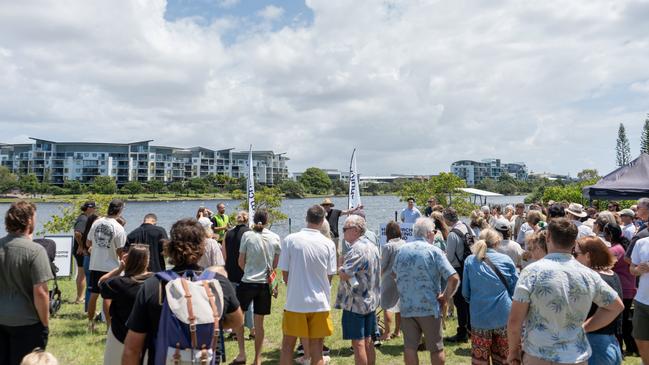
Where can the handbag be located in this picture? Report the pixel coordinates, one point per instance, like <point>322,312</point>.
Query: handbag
<point>271,275</point>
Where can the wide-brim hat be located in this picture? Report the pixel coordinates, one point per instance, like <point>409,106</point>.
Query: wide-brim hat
<point>577,210</point>
<point>627,212</point>
<point>327,201</point>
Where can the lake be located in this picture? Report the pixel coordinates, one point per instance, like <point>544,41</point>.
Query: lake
<point>378,210</point>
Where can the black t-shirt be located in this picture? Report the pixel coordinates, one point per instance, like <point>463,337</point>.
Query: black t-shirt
<point>146,311</point>
<point>153,236</point>
<point>332,217</point>
<point>122,290</point>
<point>232,244</point>
<point>614,327</point>
<point>428,211</point>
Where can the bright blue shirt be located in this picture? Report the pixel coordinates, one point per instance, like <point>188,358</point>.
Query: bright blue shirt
<point>490,301</point>
<point>420,268</point>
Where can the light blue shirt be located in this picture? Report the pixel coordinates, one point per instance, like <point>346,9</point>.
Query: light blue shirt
<point>361,295</point>
<point>559,291</point>
<point>410,215</point>
<point>490,301</point>
<point>420,268</point>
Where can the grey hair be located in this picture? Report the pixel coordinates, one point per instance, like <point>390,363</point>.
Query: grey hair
<point>325,229</point>
<point>358,222</point>
<point>422,227</point>
<point>644,202</point>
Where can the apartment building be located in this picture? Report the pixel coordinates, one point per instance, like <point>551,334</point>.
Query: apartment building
<point>473,172</point>
<point>56,162</point>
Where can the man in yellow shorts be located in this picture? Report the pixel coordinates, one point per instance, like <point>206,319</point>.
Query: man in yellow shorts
<point>307,261</point>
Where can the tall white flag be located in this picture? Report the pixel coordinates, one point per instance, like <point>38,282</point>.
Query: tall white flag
<point>354,187</point>
<point>251,187</point>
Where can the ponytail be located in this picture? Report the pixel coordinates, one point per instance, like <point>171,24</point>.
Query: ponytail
<point>480,249</point>
<point>260,220</point>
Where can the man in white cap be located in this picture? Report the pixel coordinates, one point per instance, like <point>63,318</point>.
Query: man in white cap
<point>627,216</point>
<point>574,212</point>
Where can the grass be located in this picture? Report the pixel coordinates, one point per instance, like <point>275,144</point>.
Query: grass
<point>73,345</point>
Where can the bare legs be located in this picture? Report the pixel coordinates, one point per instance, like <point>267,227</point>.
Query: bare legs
<point>364,353</point>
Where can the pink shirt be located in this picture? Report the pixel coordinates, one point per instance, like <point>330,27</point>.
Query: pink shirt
<point>621,268</point>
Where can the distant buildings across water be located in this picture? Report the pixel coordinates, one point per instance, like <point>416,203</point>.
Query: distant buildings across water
<point>473,172</point>
<point>56,162</point>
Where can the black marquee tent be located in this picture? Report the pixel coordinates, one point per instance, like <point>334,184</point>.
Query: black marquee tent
<point>626,183</point>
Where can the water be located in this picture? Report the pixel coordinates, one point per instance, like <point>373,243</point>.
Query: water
<point>378,210</point>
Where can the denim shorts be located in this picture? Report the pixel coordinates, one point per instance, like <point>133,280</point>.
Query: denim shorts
<point>606,349</point>
<point>358,326</point>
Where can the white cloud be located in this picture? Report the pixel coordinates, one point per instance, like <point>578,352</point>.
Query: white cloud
<point>414,85</point>
<point>227,3</point>
<point>271,12</point>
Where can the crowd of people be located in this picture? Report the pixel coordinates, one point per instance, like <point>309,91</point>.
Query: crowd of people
<point>538,284</point>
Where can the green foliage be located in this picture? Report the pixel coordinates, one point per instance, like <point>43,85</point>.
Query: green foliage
<point>29,184</point>
<point>539,186</point>
<point>622,148</point>
<point>155,187</point>
<point>270,199</point>
<point>238,194</point>
<point>104,185</point>
<point>291,189</point>
<point>63,222</point>
<point>74,186</point>
<point>339,187</point>
<point>8,180</point>
<point>315,181</point>
<point>177,187</point>
<point>644,137</point>
<point>588,174</point>
<point>371,188</point>
<point>442,187</point>
<point>132,188</point>
<point>570,193</point>
<point>197,185</point>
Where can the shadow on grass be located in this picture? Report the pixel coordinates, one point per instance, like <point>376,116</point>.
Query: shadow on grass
<point>73,316</point>
<point>391,349</point>
<point>272,357</point>
<point>462,351</point>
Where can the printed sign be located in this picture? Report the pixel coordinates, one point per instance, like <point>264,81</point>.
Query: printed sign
<point>406,233</point>
<point>63,259</point>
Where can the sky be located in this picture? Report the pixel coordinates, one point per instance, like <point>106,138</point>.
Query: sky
<point>413,85</point>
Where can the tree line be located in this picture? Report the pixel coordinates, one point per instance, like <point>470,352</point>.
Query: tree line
<point>623,148</point>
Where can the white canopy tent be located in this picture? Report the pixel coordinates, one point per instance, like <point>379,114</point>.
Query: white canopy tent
<point>478,195</point>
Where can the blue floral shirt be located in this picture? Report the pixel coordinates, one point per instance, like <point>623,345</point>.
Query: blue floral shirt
<point>559,291</point>
<point>420,268</point>
<point>362,293</point>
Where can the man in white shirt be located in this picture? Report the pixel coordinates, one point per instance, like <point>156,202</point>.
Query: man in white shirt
<point>411,213</point>
<point>307,261</point>
<point>575,212</point>
<point>628,228</point>
<point>507,246</point>
<point>106,240</point>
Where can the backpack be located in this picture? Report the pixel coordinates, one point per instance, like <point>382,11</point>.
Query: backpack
<point>468,239</point>
<point>190,329</point>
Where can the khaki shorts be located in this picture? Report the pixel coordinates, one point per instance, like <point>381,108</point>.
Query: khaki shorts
<point>640,321</point>
<point>431,327</point>
<point>531,360</point>
<point>307,325</point>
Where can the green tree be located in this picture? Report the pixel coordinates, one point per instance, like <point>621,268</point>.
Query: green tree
<point>372,188</point>
<point>132,188</point>
<point>442,187</point>
<point>177,187</point>
<point>587,174</point>
<point>73,186</point>
<point>487,184</point>
<point>197,185</point>
<point>269,198</point>
<point>29,184</point>
<point>644,137</point>
<point>622,148</point>
<point>340,187</point>
<point>291,189</point>
<point>315,181</point>
<point>8,180</point>
<point>155,187</point>
<point>70,210</point>
<point>104,185</point>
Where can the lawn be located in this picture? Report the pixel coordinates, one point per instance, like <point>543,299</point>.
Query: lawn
<point>73,345</point>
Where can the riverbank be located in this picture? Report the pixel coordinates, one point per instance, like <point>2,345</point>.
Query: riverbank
<point>148,197</point>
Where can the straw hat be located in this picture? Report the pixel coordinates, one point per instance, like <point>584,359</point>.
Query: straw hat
<point>576,209</point>
<point>327,201</point>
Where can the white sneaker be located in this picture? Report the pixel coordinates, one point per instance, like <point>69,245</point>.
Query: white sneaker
<point>303,361</point>
<point>326,359</point>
